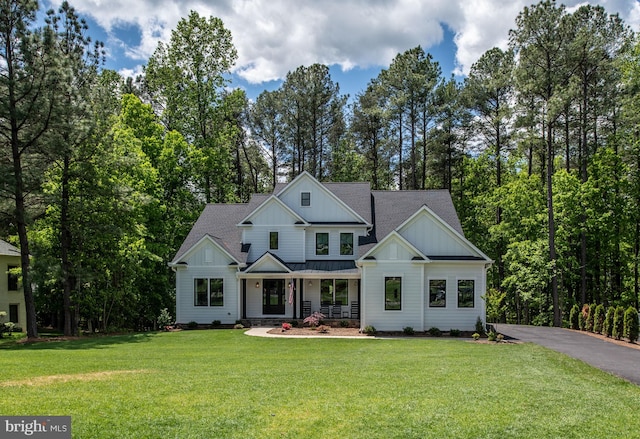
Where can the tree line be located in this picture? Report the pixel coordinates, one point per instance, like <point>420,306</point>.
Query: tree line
<point>103,176</point>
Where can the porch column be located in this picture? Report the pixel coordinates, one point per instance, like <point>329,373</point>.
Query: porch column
<point>244,299</point>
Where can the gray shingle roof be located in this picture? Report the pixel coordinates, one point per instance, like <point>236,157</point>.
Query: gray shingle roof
<point>390,209</point>
<point>7,249</point>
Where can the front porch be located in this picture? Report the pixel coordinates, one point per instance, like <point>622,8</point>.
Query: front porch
<point>270,296</point>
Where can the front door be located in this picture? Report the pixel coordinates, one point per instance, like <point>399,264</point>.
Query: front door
<point>273,296</point>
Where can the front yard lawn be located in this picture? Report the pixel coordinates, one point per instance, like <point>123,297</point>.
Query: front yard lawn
<point>223,384</point>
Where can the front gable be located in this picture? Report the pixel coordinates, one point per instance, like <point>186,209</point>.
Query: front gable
<point>206,252</point>
<point>268,263</point>
<point>316,204</point>
<point>394,247</point>
<point>435,238</point>
<point>272,212</point>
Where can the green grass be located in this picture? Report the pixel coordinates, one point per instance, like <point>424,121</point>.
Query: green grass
<point>223,384</point>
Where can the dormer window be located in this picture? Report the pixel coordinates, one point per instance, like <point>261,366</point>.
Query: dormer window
<point>305,199</point>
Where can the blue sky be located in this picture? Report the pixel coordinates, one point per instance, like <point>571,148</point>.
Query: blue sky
<point>356,38</point>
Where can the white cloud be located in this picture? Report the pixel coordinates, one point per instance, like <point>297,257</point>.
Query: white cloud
<point>275,36</point>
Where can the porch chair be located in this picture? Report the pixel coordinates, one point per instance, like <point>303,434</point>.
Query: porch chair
<point>355,310</point>
<point>306,308</point>
<point>336,310</point>
<point>324,308</point>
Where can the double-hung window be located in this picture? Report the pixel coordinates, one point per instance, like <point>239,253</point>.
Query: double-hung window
<point>466,288</point>
<point>346,244</point>
<point>438,293</point>
<point>305,199</point>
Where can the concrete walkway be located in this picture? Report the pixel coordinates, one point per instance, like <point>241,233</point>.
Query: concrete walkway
<point>263,331</point>
<point>618,360</point>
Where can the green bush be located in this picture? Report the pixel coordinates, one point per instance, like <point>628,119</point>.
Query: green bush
<point>618,323</point>
<point>607,325</point>
<point>294,323</point>
<point>598,319</point>
<point>590,316</point>
<point>192,324</point>
<point>581,321</point>
<point>369,330</point>
<point>573,316</point>
<point>631,324</point>
<point>408,330</point>
<point>344,323</point>
<point>216,323</point>
<point>479,326</point>
<point>455,332</point>
<point>435,332</point>
<point>164,319</point>
<point>238,326</point>
<point>492,336</point>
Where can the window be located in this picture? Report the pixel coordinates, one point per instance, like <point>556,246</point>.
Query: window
<point>12,278</point>
<point>305,198</point>
<point>322,244</point>
<point>216,295</point>
<point>208,292</point>
<point>334,290</point>
<point>346,243</point>
<point>438,293</point>
<point>13,313</point>
<point>466,293</point>
<point>273,240</point>
<point>392,293</point>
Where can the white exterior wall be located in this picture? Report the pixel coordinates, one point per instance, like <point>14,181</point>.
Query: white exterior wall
<point>432,238</point>
<point>372,296</point>
<point>206,261</point>
<point>324,206</point>
<point>334,243</point>
<point>291,241</point>
<point>452,317</point>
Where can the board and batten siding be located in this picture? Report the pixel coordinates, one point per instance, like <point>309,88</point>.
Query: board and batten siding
<point>206,261</point>
<point>324,206</point>
<point>432,238</point>
<point>373,301</point>
<point>452,317</point>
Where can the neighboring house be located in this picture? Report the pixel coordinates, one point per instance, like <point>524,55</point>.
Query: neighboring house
<point>390,259</point>
<point>11,294</point>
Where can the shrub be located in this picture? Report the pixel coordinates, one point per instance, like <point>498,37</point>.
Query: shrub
<point>499,338</point>
<point>295,323</point>
<point>164,319</point>
<point>491,336</point>
<point>475,336</point>
<point>408,330</point>
<point>479,326</point>
<point>192,324</point>
<point>590,315</point>
<point>573,316</point>
<point>435,331</point>
<point>369,330</point>
<point>607,325</point>
<point>598,319</point>
<point>631,324</point>
<point>455,332</point>
<point>618,323</point>
<point>286,326</point>
<point>344,323</point>
<point>581,321</point>
<point>314,319</point>
<point>238,326</point>
<point>216,323</point>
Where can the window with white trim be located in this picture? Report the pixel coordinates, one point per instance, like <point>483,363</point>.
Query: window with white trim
<point>273,240</point>
<point>346,244</point>
<point>322,244</point>
<point>437,293</point>
<point>305,199</point>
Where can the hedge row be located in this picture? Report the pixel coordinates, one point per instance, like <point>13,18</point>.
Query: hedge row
<point>615,322</point>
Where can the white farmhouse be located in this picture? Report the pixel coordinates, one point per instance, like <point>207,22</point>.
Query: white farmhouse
<point>389,259</point>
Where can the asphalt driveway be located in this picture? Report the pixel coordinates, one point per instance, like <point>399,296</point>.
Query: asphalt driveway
<point>619,360</point>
